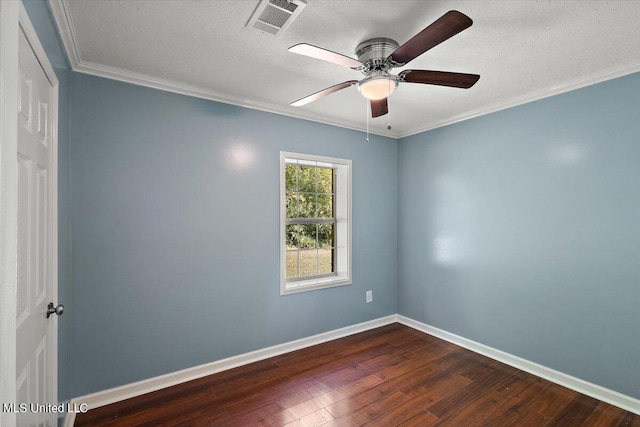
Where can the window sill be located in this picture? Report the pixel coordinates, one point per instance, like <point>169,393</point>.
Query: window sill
<point>314,284</point>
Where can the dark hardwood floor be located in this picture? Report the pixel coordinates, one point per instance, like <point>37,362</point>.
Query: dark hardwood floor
<point>388,376</point>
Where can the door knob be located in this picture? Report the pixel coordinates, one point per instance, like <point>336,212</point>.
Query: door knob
<point>54,310</point>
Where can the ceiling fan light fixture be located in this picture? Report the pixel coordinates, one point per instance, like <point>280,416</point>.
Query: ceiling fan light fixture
<point>377,87</point>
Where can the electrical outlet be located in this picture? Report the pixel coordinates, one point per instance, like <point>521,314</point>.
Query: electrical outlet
<point>369,296</point>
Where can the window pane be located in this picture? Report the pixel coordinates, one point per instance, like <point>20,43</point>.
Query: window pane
<point>325,261</point>
<point>291,208</point>
<point>291,177</point>
<point>325,180</point>
<point>326,233</point>
<point>308,263</point>
<point>292,236</point>
<point>324,206</point>
<point>306,205</point>
<point>292,264</point>
<point>307,236</point>
<point>307,179</point>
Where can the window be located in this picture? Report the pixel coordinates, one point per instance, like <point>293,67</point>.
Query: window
<point>315,222</point>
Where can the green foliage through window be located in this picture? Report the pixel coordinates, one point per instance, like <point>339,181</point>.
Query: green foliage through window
<point>310,230</point>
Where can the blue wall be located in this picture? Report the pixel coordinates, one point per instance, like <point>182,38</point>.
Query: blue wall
<point>44,25</point>
<point>521,230</point>
<point>176,233</point>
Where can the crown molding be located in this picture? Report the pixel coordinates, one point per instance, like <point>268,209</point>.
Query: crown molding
<point>65,27</point>
<point>69,39</point>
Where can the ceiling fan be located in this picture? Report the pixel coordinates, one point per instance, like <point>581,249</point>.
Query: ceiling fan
<point>376,57</point>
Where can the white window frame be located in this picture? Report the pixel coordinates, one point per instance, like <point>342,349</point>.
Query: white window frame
<point>342,208</point>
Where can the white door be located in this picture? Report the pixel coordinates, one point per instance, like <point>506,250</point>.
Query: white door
<point>36,337</point>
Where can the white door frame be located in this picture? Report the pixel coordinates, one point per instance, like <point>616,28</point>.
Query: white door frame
<point>13,16</point>
<point>9,13</point>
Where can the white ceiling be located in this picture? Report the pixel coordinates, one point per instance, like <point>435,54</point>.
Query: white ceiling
<point>523,50</point>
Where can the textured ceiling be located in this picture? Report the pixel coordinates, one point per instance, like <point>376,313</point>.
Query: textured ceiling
<point>523,50</point>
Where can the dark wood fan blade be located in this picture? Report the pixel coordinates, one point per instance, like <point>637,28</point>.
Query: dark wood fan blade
<point>448,25</point>
<point>323,92</point>
<point>379,107</point>
<point>325,55</point>
<point>441,78</point>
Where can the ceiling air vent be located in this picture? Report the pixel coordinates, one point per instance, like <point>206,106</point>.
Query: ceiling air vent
<point>274,16</point>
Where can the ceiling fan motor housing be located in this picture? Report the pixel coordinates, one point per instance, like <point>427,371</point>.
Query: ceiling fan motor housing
<point>378,83</point>
<point>373,54</point>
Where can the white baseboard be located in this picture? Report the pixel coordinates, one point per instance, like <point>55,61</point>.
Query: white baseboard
<point>106,397</point>
<point>606,395</point>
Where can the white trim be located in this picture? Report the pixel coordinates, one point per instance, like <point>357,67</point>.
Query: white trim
<point>65,28</point>
<point>9,30</point>
<point>620,400</point>
<point>106,397</point>
<point>65,25</point>
<point>69,419</point>
<point>34,42</point>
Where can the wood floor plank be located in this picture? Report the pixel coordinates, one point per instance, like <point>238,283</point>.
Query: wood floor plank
<point>469,394</point>
<point>529,418</point>
<point>553,401</point>
<point>410,363</point>
<point>469,414</point>
<point>515,404</point>
<point>326,399</point>
<point>360,400</point>
<point>423,419</point>
<point>604,415</point>
<point>629,420</point>
<point>314,419</point>
<point>519,381</point>
<point>575,413</point>
<point>405,411</point>
<point>393,375</point>
<point>369,413</point>
<point>435,385</point>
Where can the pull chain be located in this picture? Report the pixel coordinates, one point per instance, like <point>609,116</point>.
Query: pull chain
<point>389,119</point>
<point>367,112</point>
<point>389,110</point>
